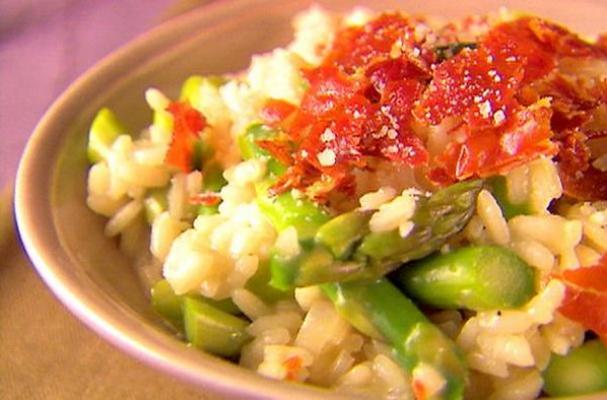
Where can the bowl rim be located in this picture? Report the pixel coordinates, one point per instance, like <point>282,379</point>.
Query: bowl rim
<point>91,306</point>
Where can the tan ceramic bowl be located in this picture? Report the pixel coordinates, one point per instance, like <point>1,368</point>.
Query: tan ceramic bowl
<point>65,240</point>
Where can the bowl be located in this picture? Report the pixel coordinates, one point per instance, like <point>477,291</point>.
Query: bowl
<point>65,240</point>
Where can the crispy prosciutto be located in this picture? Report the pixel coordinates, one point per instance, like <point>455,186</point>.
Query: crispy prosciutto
<point>382,84</point>
<point>475,85</point>
<point>586,296</point>
<point>498,89</point>
<point>188,124</point>
<point>580,179</point>
<point>493,150</point>
<point>358,105</point>
<point>206,199</point>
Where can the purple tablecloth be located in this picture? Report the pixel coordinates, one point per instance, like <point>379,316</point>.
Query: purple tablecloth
<point>45,45</point>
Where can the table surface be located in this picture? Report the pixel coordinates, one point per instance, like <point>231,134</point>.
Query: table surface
<point>45,353</point>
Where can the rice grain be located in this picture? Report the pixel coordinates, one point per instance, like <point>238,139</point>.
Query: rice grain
<point>250,305</point>
<point>491,215</point>
<point>123,217</point>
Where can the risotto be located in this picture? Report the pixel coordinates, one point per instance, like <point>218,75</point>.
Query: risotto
<point>390,206</point>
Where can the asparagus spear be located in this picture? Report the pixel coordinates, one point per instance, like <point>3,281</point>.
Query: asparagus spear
<point>209,325</point>
<point>474,277</point>
<point>499,189</point>
<point>166,303</point>
<point>582,371</point>
<point>169,305</point>
<point>436,218</point>
<point>259,284</point>
<point>211,329</point>
<point>213,181</point>
<point>343,249</point>
<point>341,234</point>
<point>284,210</point>
<point>378,308</point>
<point>315,264</point>
<point>105,128</point>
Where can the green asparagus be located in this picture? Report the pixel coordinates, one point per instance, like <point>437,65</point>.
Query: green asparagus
<point>475,277</point>
<point>208,210</point>
<point>213,179</point>
<point>343,248</point>
<point>169,305</point>
<point>343,232</point>
<point>106,127</point>
<point>436,218</point>
<point>378,308</point>
<point>339,252</point>
<point>163,120</point>
<point>259,284</point>
<point>582,371</point>
<point>213,330</point>
<point>315,264</point>
<point>208,324</point>
<point>202,154</point>
<point>166,303</point>
<point>499,189</point>
<point>285,210</point>
<point>190,90</point>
